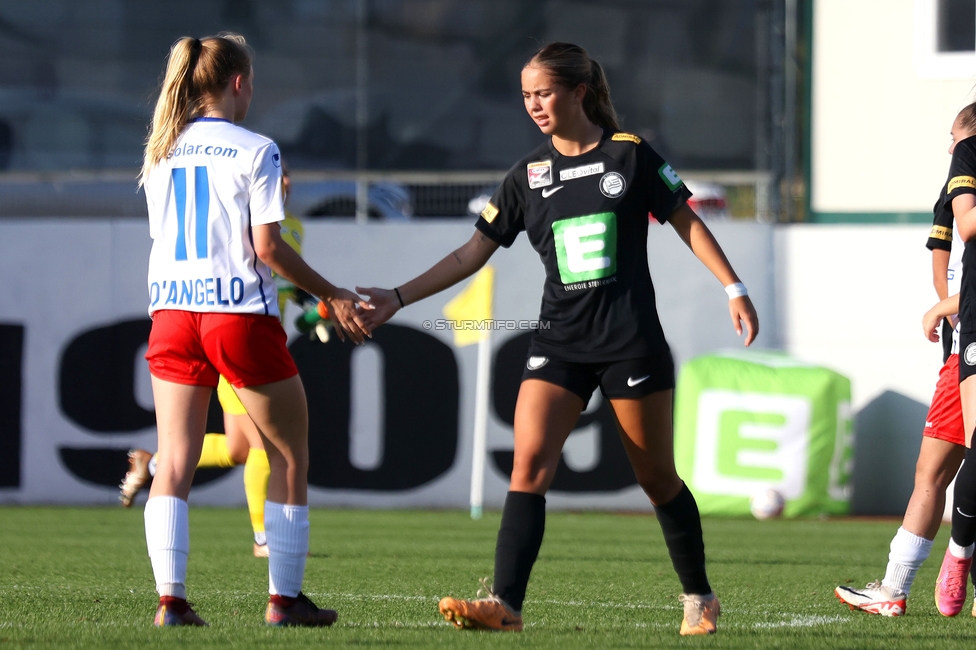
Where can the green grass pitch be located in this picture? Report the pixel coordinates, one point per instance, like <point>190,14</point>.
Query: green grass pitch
<point>80,578</point>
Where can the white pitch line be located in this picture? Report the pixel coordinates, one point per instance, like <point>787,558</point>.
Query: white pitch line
<point>803,621</point>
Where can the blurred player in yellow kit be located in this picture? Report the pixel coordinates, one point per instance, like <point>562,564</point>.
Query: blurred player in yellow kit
<point>241,444</point>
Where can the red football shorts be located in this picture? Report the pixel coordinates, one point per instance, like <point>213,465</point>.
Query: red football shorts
<point>944,420</point>
<point>195,348</point>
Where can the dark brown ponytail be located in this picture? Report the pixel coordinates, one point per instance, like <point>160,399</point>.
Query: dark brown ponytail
<point>570,66</point>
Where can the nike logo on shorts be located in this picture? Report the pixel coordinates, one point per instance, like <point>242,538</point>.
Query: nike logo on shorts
<point>964,514</point>
<point>549,192</point>
<point>534,363</point>
<point>633,382</point>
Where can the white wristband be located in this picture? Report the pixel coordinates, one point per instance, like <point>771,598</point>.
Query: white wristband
<point>736,290</point>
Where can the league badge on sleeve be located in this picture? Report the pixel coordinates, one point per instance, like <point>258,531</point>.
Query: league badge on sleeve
<point>540,174</point>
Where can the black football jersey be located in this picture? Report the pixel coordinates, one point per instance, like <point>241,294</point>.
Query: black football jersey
<point>587,217</point>
<point>962,180</point>
<point>940,237</point>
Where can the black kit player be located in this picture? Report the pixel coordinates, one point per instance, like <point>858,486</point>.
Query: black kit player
<point>583,199</point>
<point>950,588</point>
<point>944,436</point>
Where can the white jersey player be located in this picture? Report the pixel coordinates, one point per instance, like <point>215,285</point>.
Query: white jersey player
<point>214,195</point>
<point>203,257</point>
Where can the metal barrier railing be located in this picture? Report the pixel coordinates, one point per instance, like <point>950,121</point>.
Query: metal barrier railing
<point>339,193</point>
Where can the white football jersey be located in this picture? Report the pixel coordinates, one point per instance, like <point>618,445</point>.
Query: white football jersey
<point>218,181</point>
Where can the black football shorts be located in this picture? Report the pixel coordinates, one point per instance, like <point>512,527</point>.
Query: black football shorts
<point>630,379</point>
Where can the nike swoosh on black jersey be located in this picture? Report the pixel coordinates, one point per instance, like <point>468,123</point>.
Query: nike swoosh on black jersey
<point>549,192</point>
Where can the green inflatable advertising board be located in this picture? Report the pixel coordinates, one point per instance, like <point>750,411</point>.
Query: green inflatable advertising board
<point>749,421</point>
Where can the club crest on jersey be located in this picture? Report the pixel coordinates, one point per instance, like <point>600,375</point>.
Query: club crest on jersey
<point>540,174</point>
<point>970,355</point>
<point>612,185</point>
<point>580,172</point>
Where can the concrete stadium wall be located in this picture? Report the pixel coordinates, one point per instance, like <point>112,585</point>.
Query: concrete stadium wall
<point>883,103</point>
<point>76,391</point>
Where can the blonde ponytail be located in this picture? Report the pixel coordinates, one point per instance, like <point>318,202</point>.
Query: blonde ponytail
<point>967,118</point>
<point>174,106</point>
<point>197,71</point>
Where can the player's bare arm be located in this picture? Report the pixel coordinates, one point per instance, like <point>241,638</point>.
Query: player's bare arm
<point>283,260</point>
<point>696,235</point>
<point>964,211</point>
<point>946,308</point>
<point>940,268</point>
<point>460,264</point>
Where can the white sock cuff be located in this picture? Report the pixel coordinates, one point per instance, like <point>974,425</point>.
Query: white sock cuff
<point>167,524</point>
<point>909,549</point>
<point>286,528</point>
<point>911,538</point>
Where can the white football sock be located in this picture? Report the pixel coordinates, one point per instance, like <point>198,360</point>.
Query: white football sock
<point>286,528</point>
<point>962,552</point>
<point>908,552</point>
<point>168,540</point>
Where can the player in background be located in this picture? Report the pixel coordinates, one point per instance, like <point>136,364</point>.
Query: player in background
<point>583,199</point>
<point>950,587</point>
<point>240,444</point>
<point>214,196</point>
<point>943,438</point>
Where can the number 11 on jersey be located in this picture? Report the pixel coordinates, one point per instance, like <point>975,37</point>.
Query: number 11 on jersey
<point>201,196</point>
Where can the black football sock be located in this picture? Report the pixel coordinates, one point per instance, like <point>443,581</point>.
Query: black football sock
<point>681,524</point>
<point>964,502</point>
<point>519,539</point>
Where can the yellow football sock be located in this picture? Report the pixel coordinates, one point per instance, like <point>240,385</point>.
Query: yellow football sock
<point>257,470</point>
<point>215,453</point>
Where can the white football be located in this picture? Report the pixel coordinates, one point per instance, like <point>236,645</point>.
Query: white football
<point>767,504</point>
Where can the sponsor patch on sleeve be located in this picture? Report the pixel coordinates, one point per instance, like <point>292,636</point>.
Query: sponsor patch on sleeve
<point>489,213</point>
<point>625,137</point>
<point>957,182</point>
<point>941,232</point>
<point>670,177</point>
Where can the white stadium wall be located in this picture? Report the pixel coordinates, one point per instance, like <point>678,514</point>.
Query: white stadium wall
<point>391,423</point>
<point>882,104</point>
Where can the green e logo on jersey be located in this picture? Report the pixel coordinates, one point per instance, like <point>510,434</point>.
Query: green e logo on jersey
<point>670,177</point>
<point>586,247</point>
